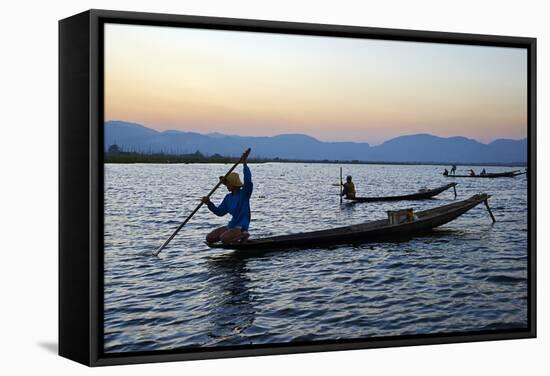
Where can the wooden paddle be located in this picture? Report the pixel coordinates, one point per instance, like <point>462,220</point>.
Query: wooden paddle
<point>341,185</point>
<point>490,212</point>
<point>243,158</point>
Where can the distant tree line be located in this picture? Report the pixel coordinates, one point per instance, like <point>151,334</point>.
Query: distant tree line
<point>116,154</point>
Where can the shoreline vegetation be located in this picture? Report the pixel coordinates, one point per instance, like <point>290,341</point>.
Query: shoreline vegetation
<point>117,156</point>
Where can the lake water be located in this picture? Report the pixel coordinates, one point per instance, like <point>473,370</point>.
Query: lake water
<point>468,275</point>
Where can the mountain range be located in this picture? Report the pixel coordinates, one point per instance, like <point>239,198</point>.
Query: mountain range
<point>423,148</point>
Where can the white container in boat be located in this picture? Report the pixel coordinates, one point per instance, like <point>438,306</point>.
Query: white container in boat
<point>400,216</point>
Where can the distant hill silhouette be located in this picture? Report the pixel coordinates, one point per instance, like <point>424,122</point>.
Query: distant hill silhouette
<point>424,148</point>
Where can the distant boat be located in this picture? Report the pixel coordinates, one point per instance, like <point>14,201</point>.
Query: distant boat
<point>369,231</point>
<point>489,175</point>
<point>420,195</point>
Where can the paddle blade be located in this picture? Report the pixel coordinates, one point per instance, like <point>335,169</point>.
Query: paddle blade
<point>158,250</point>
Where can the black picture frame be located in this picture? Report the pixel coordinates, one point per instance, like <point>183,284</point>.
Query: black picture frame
<point>81,184</point>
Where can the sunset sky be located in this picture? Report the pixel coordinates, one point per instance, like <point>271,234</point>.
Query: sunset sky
<point>334,89</point>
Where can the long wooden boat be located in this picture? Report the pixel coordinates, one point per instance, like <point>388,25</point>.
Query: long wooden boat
<point>414,196</point>
<point>374,230</point>
<point>490,175</point>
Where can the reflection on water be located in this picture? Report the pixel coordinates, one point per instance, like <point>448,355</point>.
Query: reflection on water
<point>231,310</point>
<point>467,275</point>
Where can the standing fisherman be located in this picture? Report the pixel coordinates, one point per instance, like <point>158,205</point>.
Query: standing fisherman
<point>349,188</point>
<point>453,169</point>
<point>236,203</point>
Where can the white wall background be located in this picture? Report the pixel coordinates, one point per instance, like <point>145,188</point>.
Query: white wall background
<point>28,210</point>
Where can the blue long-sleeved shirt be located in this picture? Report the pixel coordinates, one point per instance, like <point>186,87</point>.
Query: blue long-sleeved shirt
<point>237,203</point>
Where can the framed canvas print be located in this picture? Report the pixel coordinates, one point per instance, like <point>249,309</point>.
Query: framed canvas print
<point>235,187</point>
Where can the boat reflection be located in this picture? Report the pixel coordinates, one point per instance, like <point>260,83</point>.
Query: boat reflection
<point>231,309</point>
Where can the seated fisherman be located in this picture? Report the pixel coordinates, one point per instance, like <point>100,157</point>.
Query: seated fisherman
<point>472,173</point>
<point>236,203</point>
<point>446,172</point>
<point>349,188</point>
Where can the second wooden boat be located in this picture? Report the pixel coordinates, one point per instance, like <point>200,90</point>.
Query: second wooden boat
<point>490,175</point>
<point>421,195</point>
<point>375,230</point>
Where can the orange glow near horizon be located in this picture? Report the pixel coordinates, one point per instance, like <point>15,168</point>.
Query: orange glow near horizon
<point>334,89</point>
